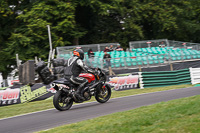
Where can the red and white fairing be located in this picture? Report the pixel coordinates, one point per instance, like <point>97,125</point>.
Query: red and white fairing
<point>88,76</point>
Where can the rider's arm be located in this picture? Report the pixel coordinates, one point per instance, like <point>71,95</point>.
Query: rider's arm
<point>84,67</point>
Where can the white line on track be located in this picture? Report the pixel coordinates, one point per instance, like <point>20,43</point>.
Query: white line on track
<point>88,103</point>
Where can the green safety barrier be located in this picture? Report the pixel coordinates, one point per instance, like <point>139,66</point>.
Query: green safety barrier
<point>166,73</point>
<point>160,85</point>
<point>164,78</point>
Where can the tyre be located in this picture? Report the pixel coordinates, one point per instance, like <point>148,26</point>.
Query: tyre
<point>61,102</point>
<point>103,94</point>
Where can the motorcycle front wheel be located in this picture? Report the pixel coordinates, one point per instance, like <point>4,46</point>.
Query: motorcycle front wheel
<point>61,102</point>
<point>103,94</point>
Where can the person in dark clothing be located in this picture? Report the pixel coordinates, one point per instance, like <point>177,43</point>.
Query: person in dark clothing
<point>74,66</point>
<point>106,49</point>
<point>118,48</point>
<point>90,53</point>
<point>107,58</point>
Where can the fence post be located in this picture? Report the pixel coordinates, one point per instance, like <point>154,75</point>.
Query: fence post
<point>98,46</point>
<point>125,64</point>
<point>140,69</point>
<point>171,66</point>
<point>147,61</point>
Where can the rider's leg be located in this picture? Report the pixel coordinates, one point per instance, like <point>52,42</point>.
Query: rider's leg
<point>82,83</point>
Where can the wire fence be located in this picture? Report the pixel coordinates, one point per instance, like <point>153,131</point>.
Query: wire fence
<point>148,43</point>
<point>163,43</point>
<point>85,48</point>
<point>146,53</point>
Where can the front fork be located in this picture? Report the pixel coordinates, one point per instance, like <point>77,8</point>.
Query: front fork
<point>101,88</point>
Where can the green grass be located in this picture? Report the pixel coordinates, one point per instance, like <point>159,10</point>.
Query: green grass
<point>176,116</point>
<point>2,88</point>
<point>13,110</point>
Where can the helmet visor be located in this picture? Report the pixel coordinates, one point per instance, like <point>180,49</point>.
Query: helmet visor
<point>76,53</point>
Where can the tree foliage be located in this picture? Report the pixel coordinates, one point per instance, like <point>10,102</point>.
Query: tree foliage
<point>23,24</point>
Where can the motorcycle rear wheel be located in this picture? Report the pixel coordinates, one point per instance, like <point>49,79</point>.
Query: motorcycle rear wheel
<point>103,94</point>
<point>61,102</point>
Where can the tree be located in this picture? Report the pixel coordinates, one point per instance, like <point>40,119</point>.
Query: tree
<point>7,19</point>
<point>9,10</point>
<point>23,24</point>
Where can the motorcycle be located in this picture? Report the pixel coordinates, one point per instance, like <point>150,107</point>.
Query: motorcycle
<point>97,87</point>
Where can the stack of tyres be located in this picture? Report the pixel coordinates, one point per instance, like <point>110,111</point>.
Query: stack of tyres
<point>58,62</point>
<point>46,75</point>
<point>44,72</point>
<point>59,65</point>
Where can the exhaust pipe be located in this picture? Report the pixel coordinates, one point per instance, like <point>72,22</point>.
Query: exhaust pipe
<point>53,85</point>
<point>65,90</point>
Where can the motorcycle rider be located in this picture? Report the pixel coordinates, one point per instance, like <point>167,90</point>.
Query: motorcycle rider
<point>74,66</point>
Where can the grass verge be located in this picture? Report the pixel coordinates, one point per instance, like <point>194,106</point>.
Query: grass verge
<point>18,109</point>
<point>176,116</point>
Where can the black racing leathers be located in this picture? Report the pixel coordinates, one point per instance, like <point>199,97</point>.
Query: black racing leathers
<point>74,66</point>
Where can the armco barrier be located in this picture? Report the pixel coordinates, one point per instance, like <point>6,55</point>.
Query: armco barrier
<point>164,78</point>
<point>195,75</point>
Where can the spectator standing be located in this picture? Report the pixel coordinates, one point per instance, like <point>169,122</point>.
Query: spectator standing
<point>106,49</point>
<point>107,58</point>
<point>90,53</point>
<point>111,48</point>
<point>118,48</point>
<point>90,56</point>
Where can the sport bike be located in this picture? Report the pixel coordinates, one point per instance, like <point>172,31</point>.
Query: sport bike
<point>97,87</point>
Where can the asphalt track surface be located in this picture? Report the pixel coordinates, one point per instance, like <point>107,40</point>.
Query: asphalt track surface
<point>51,118</point>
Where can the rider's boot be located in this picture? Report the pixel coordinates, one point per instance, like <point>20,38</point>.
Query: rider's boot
<point>78,93</point>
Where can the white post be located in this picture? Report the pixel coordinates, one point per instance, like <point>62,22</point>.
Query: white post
<point>36,60</point>
<point>53,53</point>
<point>17,59</point>
<point>50,52</point>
